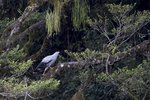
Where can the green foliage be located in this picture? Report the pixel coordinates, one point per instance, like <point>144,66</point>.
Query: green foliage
<point>3,24</point>
<point>79,13</point>
<point>16,54</point>
<point>134,82</point>
<point>53,18</point>
<point>124,83</point>
<point>10,84</point>
<point>83,76</point>
<point>93,40</point>
<point>20,66</point>
<point>40,85</point>
<point>14,58</point>
<point>12,9</point>
<point>146,63</point>
<point>124,73</point>
<point>85,55</point>
<point>14,85</point>
<point>119,25</point>
<point>127,23</point>
<point>17,86</point>
<point>119,10</point>
<point>33,18</point>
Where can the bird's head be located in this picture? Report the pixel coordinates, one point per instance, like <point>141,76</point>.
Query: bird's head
<point>57,52</point>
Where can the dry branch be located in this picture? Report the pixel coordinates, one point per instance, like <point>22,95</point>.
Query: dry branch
<point>21,36</point>
<point>114,58</point>
<point>145,45</point>
<point>15,26</point>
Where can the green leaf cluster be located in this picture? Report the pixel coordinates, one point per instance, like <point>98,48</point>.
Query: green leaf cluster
<point>3,24</point>
<point>16,54</point>
<point>16,86</point>
<point>53,19</point>
<point>15,57</point>
<point>131,81</point>
<point>85,55</point>
<point>13,85</point>
<point>33,18</point>
<point>79,13</point>
<point>127,23</point>
<point>43,85</point>
<point>20,66</point>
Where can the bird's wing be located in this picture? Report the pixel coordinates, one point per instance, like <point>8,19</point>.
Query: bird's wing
<point>41,67</point>
<point>47,59</point>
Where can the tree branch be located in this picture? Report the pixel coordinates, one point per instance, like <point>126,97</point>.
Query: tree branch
<point>112,59</point>
<point>15,26</point>
<point>20,37</point>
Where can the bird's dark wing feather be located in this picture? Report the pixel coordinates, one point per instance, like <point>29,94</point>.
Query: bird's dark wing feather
<point>48,61</point>
<point>41,67</point>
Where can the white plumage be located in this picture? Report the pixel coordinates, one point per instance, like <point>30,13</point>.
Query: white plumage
<point>47,62</point>
<point>50,59</point>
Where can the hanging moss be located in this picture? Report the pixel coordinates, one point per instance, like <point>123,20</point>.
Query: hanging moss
<point>79,13</point>
<point>53,18</point>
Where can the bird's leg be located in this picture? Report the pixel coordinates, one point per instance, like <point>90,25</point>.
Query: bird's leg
<point>45,71</point>
<point>48,73</point>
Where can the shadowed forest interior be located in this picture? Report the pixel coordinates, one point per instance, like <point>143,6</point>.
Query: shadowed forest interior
<point>74,49</point>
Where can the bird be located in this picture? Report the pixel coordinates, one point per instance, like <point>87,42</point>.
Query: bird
<point>46,63</point>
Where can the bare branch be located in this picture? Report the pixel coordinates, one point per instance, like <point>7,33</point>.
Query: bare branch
<point>15,26</point>
<point>112,59</point>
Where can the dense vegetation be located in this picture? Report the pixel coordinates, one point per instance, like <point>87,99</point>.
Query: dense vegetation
<point>104,49</point>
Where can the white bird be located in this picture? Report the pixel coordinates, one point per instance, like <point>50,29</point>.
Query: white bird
<point>47,62</point>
